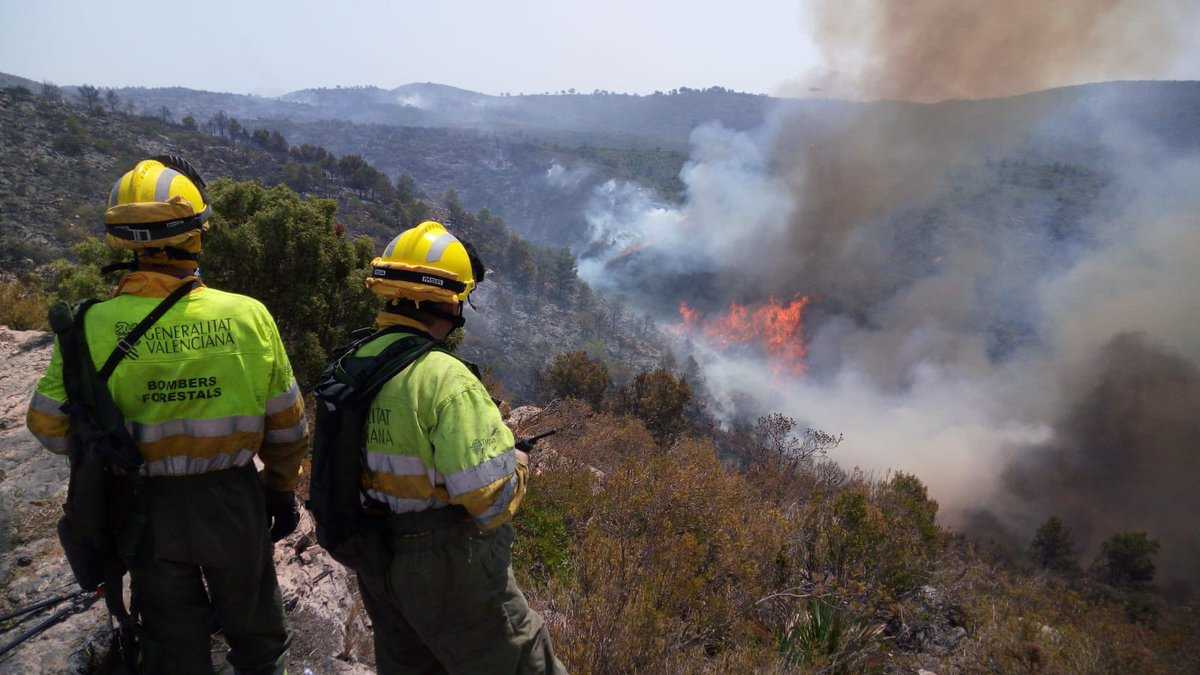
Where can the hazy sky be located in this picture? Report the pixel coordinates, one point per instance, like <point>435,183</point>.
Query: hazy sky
<point>271,47</point>
<point>496,46</point>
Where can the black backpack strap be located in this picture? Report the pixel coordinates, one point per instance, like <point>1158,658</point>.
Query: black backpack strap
<point>347,382</point>
<point>68,328</point>
<point>390,362</point>
<point>125,345</point>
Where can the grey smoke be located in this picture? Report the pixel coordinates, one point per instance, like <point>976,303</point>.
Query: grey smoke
<point>961,317</point>
<point>1004,292</point>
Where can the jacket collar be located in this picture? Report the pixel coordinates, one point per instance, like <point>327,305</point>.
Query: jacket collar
<point>388,319</point>
<point>146,284</point>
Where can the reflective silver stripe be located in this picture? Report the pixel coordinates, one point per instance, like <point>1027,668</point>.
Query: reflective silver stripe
<point>290,434</point>
<point>162,188</point>
<point>284,401</point>
<point>397,465</point>
<point>502,501</point>
<point>439,247</point>
<point>485,474</point>
<point>400,505</point>
<point>214,428</point>
<point>112,197</point>
<point>387,252</point>
<point>55,444</point>
<point>190,466</point>
<point>44,404</point>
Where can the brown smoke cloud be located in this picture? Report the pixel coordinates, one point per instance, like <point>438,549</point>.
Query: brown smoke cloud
<point>1124,454</point>
<point>852,169</point>
<point>931,50</point>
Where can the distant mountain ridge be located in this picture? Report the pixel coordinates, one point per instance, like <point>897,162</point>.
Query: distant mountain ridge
<point>600,118</point>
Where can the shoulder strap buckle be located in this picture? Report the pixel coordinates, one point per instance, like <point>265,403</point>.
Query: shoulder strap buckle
<point>127,349</point>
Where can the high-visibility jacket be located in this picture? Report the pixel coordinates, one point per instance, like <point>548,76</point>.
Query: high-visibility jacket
<point>205,389</point>
<point>435,438</point>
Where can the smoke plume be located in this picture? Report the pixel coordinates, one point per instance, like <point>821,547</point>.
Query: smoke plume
<point>999,292</point>
<point>932,50</point>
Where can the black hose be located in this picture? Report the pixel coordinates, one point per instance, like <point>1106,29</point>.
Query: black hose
<point>48,602</point>
<point>79,604</point>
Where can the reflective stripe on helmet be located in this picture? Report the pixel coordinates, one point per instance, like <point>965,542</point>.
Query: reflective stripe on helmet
<point>438,249</point>
<point>162,187</point>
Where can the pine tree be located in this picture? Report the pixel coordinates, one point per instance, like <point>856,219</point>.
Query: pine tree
<point>1053,547</point>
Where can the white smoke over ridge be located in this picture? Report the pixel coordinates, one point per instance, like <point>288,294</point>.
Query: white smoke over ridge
<point>562,178</point>
<point>972,357</point>
<point>733,203</point>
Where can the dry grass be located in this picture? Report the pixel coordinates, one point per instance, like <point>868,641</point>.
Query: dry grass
<point>22,306</point>
<point>656,559</point>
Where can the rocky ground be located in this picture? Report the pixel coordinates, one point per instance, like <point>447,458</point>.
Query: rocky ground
<point>33,485</point>
<point>331,632</point>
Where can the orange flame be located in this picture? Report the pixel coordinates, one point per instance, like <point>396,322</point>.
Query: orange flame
<point>775,328</point>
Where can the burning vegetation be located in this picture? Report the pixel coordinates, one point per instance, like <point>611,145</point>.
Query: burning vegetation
<point>773,329</point>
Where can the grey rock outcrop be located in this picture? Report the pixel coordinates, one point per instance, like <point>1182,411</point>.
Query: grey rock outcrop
<point>33,485</point>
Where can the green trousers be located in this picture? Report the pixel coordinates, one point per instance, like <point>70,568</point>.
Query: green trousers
<point>205,563</point>
<point>443,600</point>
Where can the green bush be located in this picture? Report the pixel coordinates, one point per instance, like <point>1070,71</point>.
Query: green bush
<point>1053,547</point>
<point>576,375</point>
<point>1127,559</point>
<point>289,253</point>
<point>822,639</point>
<point>72,140</point>
<point>659,400</point>
<point>72,281</point>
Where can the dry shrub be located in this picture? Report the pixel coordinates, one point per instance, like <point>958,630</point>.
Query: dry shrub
<point>1022,622</point>
<point>652,558</point>
<point>607,441</point>
<point>671,561</point>
<point>22,306</point>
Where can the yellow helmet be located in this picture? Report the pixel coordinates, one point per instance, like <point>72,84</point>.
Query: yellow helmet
<point>426,264</point>
<point>160,203</point>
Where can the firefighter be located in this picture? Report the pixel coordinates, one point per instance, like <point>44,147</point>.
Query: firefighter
<point>206,389</point>
<point>436,577</point>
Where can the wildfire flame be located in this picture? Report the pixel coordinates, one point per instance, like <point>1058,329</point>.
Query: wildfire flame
<point>775,328</point>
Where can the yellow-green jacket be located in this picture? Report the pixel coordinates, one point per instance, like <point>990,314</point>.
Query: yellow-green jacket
<point>434,438</point>
<point>205,389</point>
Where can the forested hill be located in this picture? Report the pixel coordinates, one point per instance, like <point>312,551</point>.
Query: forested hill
<point>542,161</point>
<point>542,188</point>
<point>601,118</point>
<point>58,161</point>
<point>662,119</point>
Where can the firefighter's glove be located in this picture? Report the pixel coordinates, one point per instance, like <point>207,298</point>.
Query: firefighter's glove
<point>283,512</point>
